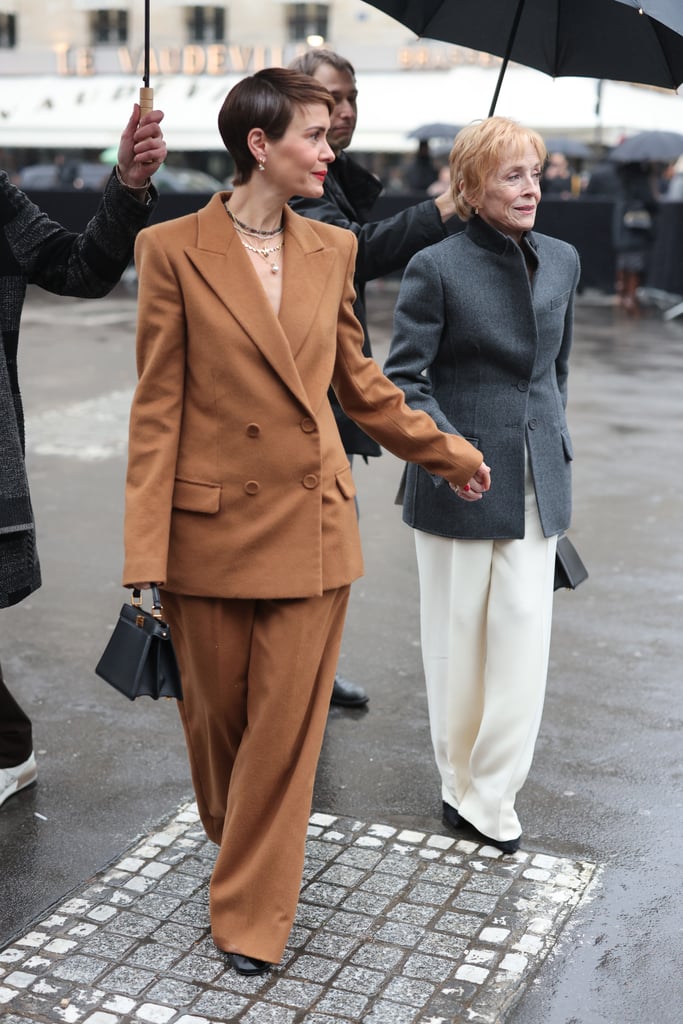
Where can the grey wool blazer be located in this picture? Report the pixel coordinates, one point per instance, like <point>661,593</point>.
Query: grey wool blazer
<point>482,345</point>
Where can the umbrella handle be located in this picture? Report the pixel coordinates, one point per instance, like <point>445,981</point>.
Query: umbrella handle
<point>146,100</point>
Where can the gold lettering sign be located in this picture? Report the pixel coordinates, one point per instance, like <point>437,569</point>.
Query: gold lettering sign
<point>216,59</point>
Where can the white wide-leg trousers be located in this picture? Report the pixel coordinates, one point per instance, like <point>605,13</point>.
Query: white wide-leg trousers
<point>486,615</point>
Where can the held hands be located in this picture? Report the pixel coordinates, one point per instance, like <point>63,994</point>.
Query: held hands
<point>477,486</point>
<point>142,149</point>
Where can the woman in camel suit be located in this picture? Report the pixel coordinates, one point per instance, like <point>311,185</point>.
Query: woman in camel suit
<point>239,496</point>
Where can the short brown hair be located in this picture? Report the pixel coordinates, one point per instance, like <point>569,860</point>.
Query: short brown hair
<point>478,149</point>
<point>309,62</point>
<point>266,100</point>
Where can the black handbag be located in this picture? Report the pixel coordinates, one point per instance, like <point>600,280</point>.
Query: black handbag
<point>139,659</point>
<point>569,569</point>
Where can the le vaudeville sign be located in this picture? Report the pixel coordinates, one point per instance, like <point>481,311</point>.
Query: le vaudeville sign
<point>221,59</point>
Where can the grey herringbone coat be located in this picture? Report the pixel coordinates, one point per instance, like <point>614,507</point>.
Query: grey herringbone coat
<point>36,250</point>
<point>483,347</point>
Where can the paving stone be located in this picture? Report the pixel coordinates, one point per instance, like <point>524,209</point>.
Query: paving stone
<point>83,969</point>
<point>199,968</point>
<point>152,955</point>
<point>127,980</point>
<point>313,968</point>
<point>351,1004</point>
<point>381,957</point>
<point>174,992</point>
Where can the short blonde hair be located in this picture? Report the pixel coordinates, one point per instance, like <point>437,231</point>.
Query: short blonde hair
<point>479,149</point>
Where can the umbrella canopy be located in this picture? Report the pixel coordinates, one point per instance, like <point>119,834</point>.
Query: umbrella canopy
<point>669,12</point>
<point>653,147</point>
<point>582,38</point>
<point>437,130</point>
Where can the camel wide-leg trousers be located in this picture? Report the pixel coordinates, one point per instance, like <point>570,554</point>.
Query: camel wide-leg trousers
<point>257,679</point>
<point>485,622</point>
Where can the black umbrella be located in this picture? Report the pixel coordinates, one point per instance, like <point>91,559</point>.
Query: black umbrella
<point>655,147</point>
<point>669,12</point>
<point>146,94</point>
<point>437,130</point>
<point>585,38</point>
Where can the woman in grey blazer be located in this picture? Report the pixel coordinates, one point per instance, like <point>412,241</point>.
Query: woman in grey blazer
<point>481,342</point>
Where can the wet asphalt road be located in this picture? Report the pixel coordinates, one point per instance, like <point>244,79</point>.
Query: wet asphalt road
<point>606,781</point>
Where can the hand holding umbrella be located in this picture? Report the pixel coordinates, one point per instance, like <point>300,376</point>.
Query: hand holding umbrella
<point>142,150</point>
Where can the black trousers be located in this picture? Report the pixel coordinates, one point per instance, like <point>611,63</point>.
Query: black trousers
<point>16,734</point>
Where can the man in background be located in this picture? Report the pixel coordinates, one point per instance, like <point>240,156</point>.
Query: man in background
<point>384,246</point>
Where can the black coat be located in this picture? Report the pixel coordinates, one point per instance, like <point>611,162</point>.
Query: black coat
<point>36,250</point>
<point>384,246</point>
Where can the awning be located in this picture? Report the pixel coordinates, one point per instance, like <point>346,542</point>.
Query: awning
<point>89,113</point>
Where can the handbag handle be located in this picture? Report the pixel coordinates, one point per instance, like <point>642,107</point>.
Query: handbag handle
<point>157,609</point>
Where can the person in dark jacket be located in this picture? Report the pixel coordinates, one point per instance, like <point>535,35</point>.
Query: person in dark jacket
<point>482,334</point>
<point>384,246</point>
<point>633,231</point>
<point>36,250</point>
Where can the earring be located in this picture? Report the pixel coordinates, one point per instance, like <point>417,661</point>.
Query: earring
<point>261,165</point>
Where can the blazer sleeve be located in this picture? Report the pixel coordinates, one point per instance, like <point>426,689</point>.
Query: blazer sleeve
<point>87,265</point>
<point>562,361</point>
<point>419,324</point>
<point>385,245</point>
<point>380,408</point>
<point>156,415</point>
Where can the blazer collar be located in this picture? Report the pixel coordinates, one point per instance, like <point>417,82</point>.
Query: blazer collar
<point>224,265</point>
<point>487,237</point>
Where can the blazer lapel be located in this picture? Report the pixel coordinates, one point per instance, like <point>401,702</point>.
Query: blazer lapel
<point>307,267</point>
<point>225,267</point>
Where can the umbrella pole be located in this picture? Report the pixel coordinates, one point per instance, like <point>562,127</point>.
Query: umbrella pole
<point>146,94</point>
<point>506,58</point>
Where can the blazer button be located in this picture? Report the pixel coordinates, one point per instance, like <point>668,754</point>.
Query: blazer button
<point>307,425</point>
<point>523,385</point>
<point>310,481</point>
<point>533,423</point>
<point>252,487</point>
<point>253,430</point>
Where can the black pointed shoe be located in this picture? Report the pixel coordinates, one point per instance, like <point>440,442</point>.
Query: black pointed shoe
<point>346,694</point>
<point>248,965</point>
<point>450,816</point>
<point>504,845</point>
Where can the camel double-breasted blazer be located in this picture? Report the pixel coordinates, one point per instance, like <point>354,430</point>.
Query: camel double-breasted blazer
<point>238,485</point>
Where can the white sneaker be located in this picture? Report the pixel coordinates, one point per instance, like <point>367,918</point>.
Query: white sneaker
<point>19,777</point>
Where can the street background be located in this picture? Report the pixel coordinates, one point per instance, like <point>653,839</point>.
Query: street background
<point>606,781</point>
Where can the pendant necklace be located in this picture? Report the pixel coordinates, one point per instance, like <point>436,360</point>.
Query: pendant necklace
<point>266,253</point>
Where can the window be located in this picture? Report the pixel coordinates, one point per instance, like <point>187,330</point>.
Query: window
<point>205,24</point>
<point>108,26</point>
<point>304,20</point>
<point>8,31</point>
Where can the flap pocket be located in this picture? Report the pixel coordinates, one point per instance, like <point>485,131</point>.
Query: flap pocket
<point>560,300</point>
<point>345,482</point>
<point>194,496</point>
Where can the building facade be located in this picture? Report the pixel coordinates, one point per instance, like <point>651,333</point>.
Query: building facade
<point>71,69</point>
